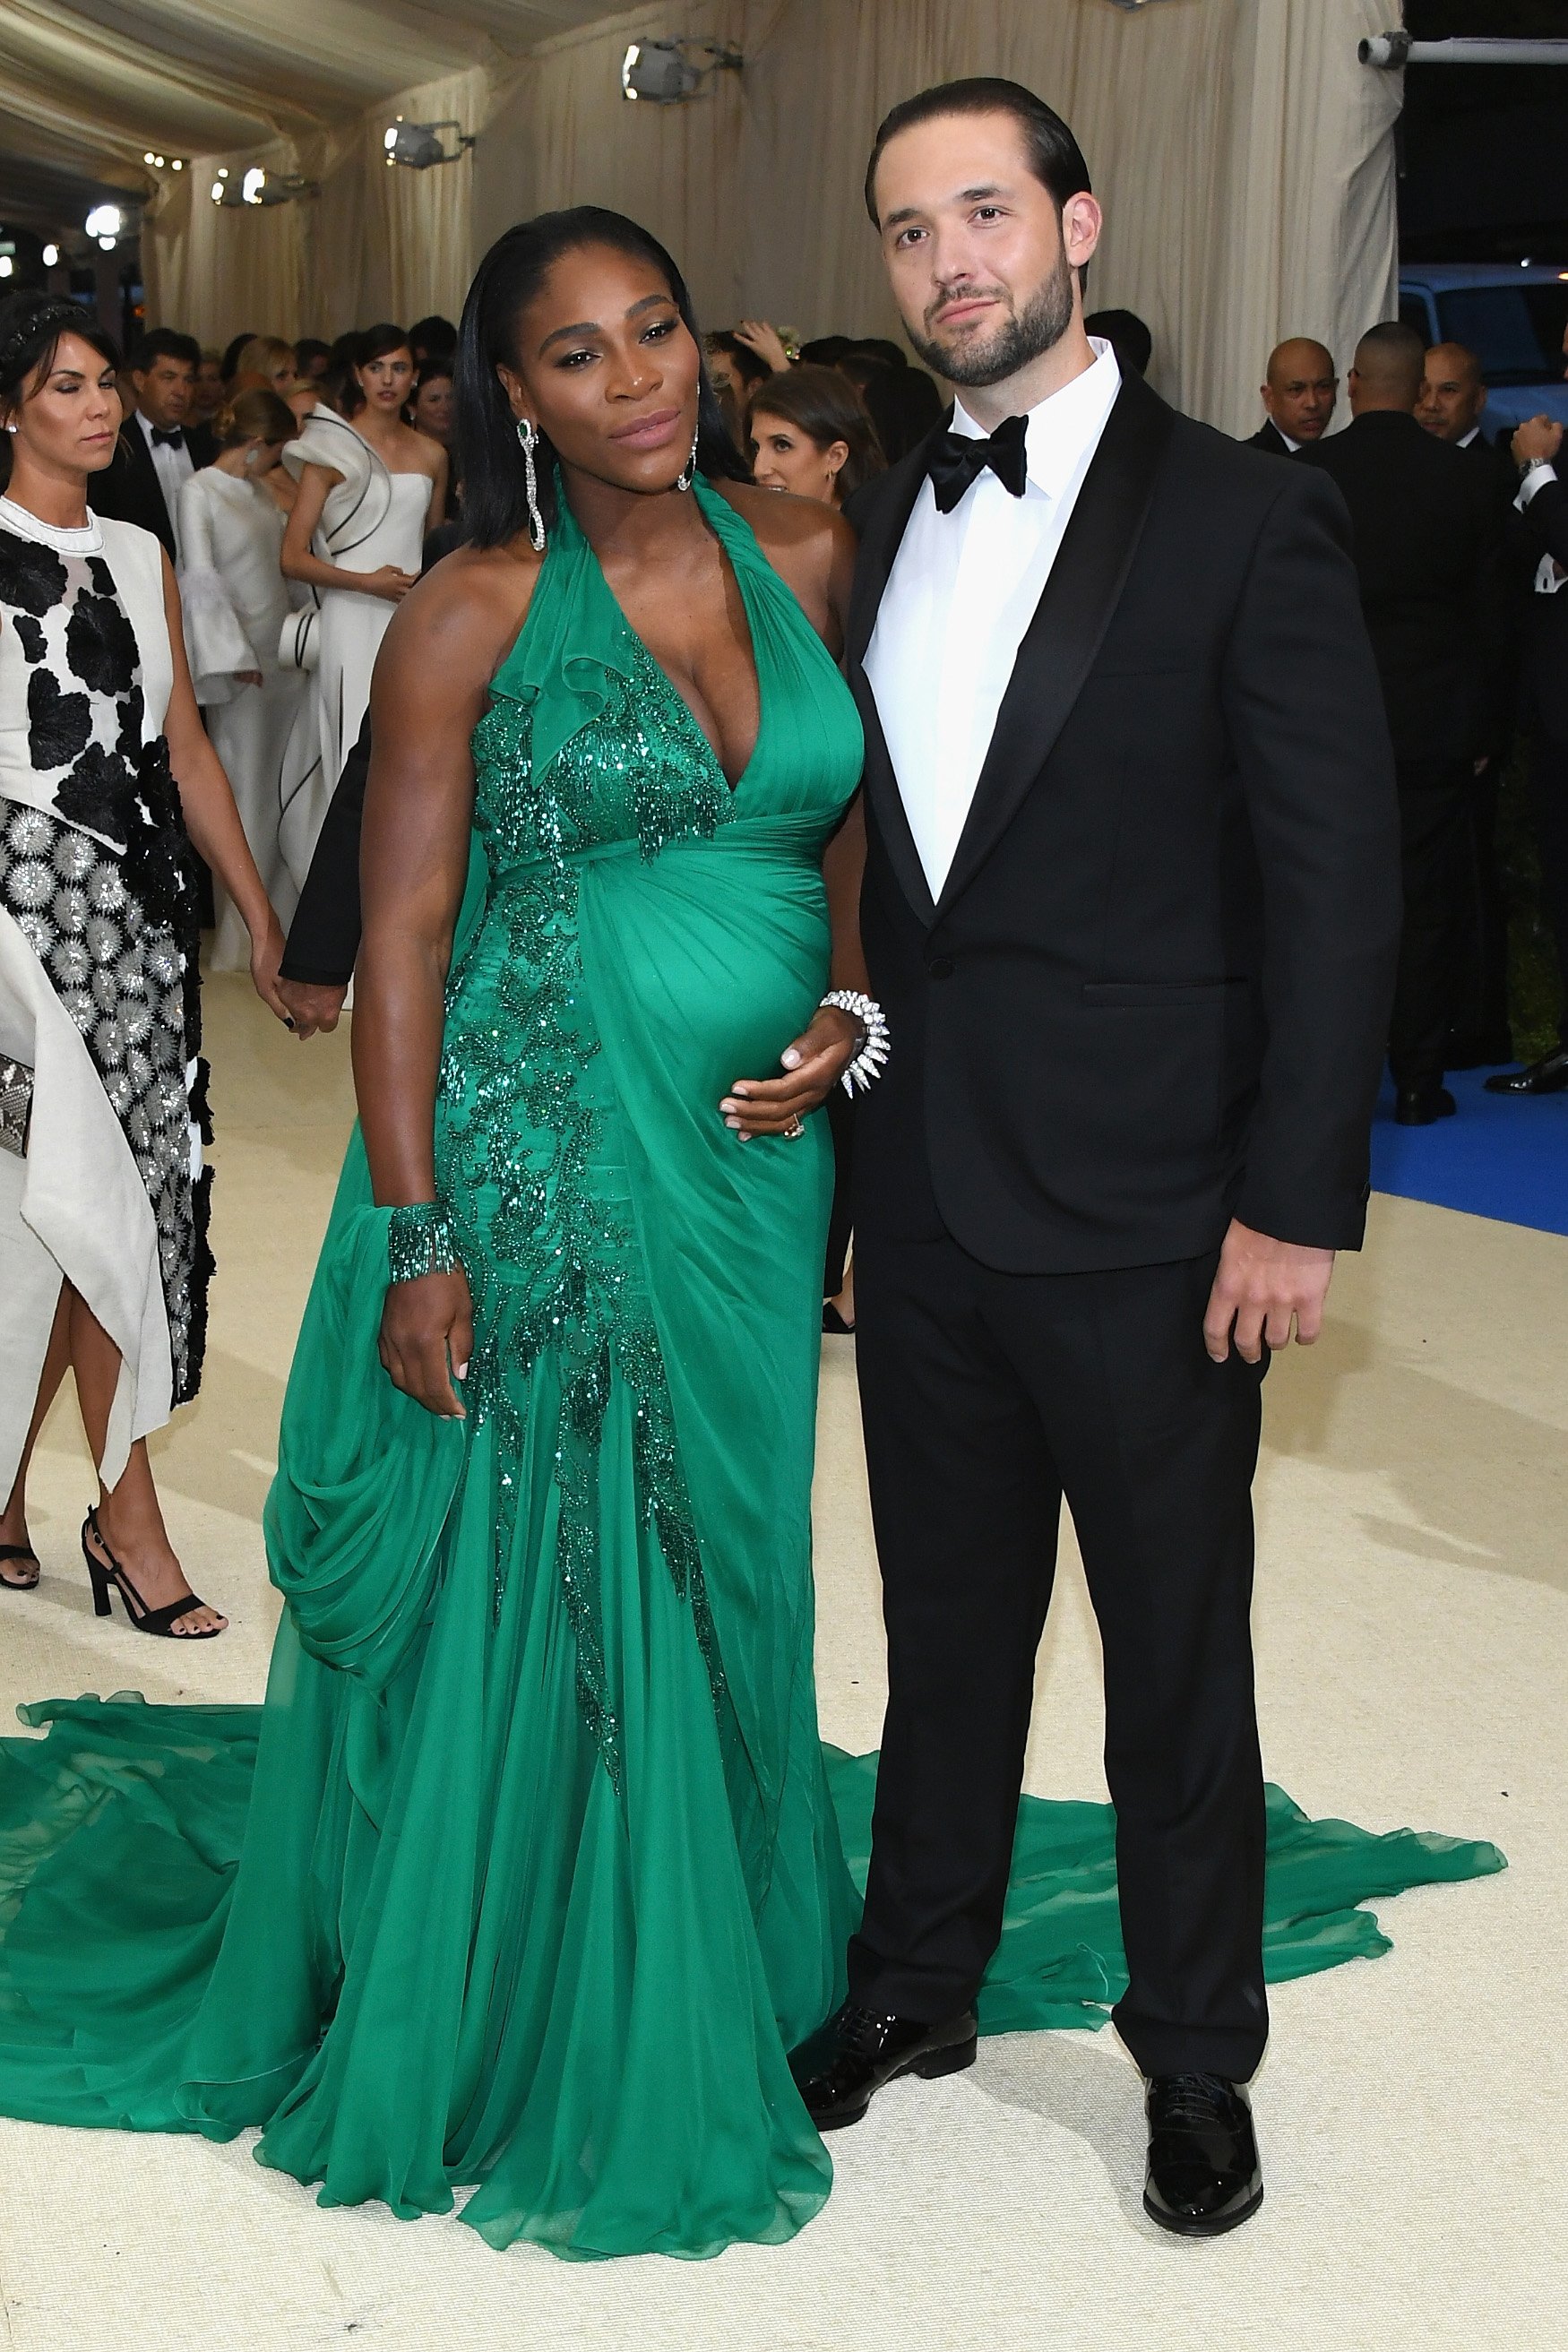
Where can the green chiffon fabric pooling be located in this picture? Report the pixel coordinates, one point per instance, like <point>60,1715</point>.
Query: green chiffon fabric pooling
<point>532,1867</point>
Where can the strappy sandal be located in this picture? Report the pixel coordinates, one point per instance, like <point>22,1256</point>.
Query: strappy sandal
<point>16,1583</point>
<point>108,1572</point>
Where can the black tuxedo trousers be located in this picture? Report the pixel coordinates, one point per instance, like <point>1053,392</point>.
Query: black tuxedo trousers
<point>987,1398</point>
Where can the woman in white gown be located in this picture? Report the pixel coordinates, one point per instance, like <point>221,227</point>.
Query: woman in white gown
<point>370,488</point>
<point>237,603</point>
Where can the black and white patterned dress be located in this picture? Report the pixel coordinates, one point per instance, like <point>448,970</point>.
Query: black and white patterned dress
<point>95,874</point>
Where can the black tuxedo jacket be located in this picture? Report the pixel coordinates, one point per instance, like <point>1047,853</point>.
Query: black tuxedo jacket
<point>1268,436</point>
<point>129,489</point>
<point>1154,992</point>
<point>1544,531</point>
<point>1429,552</point>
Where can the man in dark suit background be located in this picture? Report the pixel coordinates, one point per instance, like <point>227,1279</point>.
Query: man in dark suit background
<point>1131,905</point>
<point>158,448</point>
<point>1299,390</point>
<point>1451,408</point>
<point>1428,553</point>
<point>1542,525</point>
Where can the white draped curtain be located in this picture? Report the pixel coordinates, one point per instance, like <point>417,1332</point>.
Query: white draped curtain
<point>1243,156</point>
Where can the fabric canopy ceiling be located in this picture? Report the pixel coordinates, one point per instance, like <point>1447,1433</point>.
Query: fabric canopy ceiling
<point>88,86</point>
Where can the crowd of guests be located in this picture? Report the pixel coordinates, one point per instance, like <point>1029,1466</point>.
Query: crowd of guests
<point>297,485</point>
<point>1461,544</point>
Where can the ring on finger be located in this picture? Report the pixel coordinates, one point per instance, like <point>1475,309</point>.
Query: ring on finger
<point>795,1130</point>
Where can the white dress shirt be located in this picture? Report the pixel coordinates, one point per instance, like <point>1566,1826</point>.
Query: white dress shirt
<point>173,468</point>
<point>961,592</point>
<point>1549,576</point>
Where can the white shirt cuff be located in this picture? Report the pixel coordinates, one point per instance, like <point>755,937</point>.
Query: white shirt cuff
<point>1539,474</point>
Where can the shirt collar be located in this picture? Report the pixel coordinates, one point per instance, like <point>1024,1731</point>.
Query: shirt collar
<point>1465,438</point>
<point>1063,427</point>
<point>1291,446</point>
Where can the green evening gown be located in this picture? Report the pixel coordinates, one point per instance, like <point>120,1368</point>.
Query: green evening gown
<point>530,1871</point>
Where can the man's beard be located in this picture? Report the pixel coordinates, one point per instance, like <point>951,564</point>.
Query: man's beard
<point>1042,322</point>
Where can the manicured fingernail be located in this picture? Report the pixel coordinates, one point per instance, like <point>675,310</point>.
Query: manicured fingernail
<point>459,1371</point>
<point>743,1091</point>
<point>790,1060</point>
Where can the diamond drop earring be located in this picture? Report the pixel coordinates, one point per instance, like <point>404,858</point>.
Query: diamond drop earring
<point>528,438</point>
<point>684,479</point>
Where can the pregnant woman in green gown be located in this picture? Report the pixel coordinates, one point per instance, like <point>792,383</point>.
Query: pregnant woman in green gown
<point>529,1873</point>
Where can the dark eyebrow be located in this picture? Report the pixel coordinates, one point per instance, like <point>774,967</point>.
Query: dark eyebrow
<point>592,326</point>
<point>964,197</point>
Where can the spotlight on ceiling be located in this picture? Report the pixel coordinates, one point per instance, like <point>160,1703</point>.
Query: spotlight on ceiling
<point>104,220</point>
<point>6,264</point>
<point>51,257</point>
<point>418,144</point>
<point>663,72</point>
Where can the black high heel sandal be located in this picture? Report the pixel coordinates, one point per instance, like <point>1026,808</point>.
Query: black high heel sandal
<point>146,1620</point>
<point>20,1551</point>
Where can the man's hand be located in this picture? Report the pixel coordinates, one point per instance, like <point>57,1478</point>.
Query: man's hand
<point>1537,441</point>
<point>311,1008</point>
<point>1261,1286</point>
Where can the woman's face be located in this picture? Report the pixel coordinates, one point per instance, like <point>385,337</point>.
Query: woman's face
<point>70,419</point>
<point>783,457</point>
<point>722,371</point>
<point>608,369</point>
<point>433,409</point>
<point>385,381</point>
<point>282,375</point>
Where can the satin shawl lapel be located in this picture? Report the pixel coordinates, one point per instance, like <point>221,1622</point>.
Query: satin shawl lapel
<point>1058,649</point>
<point>883,534</point>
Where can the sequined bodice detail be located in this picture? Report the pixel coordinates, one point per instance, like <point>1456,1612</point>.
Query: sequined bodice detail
<point>643,773</point>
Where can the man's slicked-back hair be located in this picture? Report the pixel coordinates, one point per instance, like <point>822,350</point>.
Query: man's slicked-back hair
<point>1055,157</point>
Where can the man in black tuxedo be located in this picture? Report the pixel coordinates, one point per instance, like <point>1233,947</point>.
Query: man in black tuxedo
<point>1542,526</point>
<point>1451,407</point>
<point>1429,552</point>
<point>158,448</point>
<point>1299,390</point>
<point>1131,906</point>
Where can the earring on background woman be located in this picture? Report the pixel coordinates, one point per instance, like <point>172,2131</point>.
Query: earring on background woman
<point>528,438</point>
<point>684,479</point>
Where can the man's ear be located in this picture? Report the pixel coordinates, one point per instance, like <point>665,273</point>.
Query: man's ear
<point>1082,221</point>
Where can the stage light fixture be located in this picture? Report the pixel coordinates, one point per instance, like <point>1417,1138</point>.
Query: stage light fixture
<point>107,243</point>
<point>417,145</point>
<point>104,220</point>
<point>6,264</point>
<point>664,72</point>
<point>51,257</point>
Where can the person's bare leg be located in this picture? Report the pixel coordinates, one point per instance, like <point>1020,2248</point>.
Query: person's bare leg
<point>129,1513</point>
<point>14,1518</point>
<point>845,1302</point>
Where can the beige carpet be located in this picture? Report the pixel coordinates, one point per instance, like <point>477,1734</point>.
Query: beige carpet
<point>1413,1632</point>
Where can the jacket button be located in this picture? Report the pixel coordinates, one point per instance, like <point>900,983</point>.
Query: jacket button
<point>941,968</point>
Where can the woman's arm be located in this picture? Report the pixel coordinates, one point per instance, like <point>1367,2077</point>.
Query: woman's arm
<point>211,818</point>
<point>300,562</point>
<point>432,678</point>
<point>437,514</point>
<point>219,652</point>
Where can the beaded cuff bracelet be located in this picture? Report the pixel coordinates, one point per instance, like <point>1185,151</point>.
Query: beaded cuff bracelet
<point>874,1040</point>
<point>420,1240</point>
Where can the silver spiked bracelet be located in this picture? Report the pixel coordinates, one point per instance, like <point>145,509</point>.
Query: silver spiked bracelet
<point>875,1036</point>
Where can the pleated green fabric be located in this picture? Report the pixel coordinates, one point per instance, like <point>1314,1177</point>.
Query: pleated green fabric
<point>532,1868</point>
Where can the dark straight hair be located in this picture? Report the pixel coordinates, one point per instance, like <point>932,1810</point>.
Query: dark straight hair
<point>825,407</point>
<point>507,280</point>
<point>31,327</point>
<point>1056,158</point>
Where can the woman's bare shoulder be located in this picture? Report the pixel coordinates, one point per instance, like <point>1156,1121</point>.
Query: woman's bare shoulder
<point>785,524</point>
<point>464,615</point>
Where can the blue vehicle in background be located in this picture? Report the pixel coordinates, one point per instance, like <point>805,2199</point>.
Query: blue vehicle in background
<point>1512,314</point>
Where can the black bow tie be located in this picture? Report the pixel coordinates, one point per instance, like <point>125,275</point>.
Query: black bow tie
<point>957,459</point>
<point>173,438</point>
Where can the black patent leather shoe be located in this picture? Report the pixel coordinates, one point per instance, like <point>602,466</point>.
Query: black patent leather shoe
<point>845,2063</point>
<point>1204,2176</point>
<point>1420,1106</point>
<point>1547,1077</point>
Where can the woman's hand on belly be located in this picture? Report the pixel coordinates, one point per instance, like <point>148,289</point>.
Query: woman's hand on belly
<point>427,1337</point>
<point>813,1067</point>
